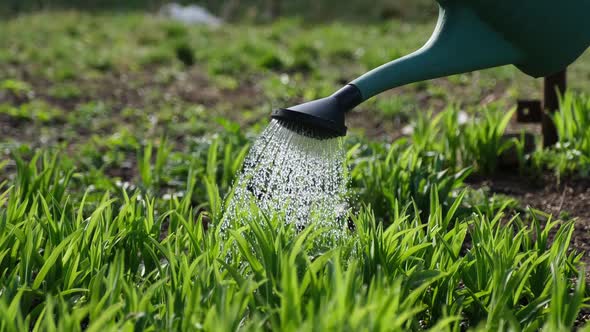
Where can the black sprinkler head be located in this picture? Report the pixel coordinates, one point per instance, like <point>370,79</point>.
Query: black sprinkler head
<point>321,118</point>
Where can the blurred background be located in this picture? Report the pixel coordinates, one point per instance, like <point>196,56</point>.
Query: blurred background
<point>252,10</point>
<point>100,72</point>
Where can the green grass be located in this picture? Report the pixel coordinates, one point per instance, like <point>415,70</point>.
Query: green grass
<point>571,154</point>
<point>121,137</point>
<point>81,249</point>
<point>126,256</point>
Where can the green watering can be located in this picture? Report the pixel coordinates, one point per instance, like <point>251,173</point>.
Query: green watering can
<point>539,37</point>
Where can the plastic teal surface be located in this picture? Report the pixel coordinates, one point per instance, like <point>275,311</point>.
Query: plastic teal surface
<point>540,37</point>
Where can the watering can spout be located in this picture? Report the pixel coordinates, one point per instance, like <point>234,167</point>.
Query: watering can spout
<point>461,43</point>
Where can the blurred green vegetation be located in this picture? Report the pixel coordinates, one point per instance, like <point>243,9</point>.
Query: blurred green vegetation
<point>72,77</point>
<point>252,10</point>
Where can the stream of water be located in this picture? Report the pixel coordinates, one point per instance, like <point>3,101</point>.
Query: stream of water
<point>289,172</point>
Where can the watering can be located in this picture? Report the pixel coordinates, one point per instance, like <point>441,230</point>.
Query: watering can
<point>539,37</point>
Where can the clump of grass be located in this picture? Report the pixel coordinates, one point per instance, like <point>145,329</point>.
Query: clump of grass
<point>100,63</point>
<point>175,30</point>
<point>156,56</point>
<point>483,139</point>
<point>479,142</point>
<point>65,91</point>
<point>572,121</point>
<point>403,173</point>
<point>36,111</point>
<point>460,143</point>
<point>571,155</point>
<point>19,89</point>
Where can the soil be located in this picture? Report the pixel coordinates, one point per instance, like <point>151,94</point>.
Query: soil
<point>566,199</point>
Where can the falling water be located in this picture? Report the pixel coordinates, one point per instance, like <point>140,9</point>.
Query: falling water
<point>289,172</point>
